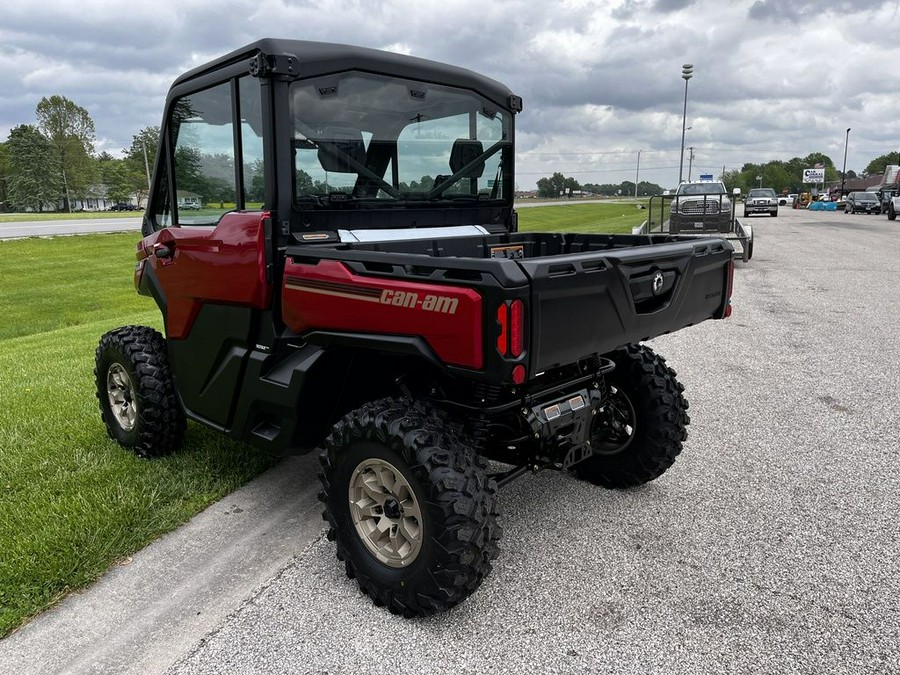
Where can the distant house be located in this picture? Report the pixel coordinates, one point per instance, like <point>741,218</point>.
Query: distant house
<point>853,185</point>
<point>189,200</point>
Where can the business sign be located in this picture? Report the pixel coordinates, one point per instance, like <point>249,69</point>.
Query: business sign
<point>813,175</point>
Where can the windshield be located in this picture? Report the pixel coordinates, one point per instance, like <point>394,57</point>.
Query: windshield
<point>866,197</point>
<point>359,137</point>
<point>701,189</point>
<point>764,192</point>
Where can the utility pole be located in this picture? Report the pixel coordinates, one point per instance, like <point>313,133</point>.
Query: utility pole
<point>637,172</point>
<point>690,160</point>
<point>844,170</point>
<point>687,72</point>
<point>66,188</point>
<point>147,169</point>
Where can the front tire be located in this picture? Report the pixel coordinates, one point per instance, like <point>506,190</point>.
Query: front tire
<point>643,425</point>
<point>410,507</point>
<point>136,393</point>
<point>892,215</point>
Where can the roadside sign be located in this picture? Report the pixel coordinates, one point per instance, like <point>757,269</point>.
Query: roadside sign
<point>813,175</point>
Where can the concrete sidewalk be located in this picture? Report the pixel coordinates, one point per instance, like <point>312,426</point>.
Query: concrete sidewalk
<point>143,616</point>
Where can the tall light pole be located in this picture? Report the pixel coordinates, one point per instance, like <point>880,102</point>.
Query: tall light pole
<point>844,170</point>
<point>637,172</point>
<point>690,161</point>
<point>687,72</point>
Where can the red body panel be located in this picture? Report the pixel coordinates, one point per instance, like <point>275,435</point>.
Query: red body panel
<point>222,264</point>
<point>328,296</point>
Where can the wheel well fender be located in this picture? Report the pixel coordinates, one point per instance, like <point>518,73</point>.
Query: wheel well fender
<point>350,374</point>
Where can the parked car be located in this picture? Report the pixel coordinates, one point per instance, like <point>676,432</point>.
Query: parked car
<point>867,202</point>
<point>122,207</point>
<point>761,200</point>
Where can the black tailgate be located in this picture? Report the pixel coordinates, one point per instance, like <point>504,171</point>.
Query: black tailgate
<point>588,303</point>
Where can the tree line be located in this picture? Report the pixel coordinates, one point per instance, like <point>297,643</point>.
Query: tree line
<point>783,176</point>
<point>558,185</point>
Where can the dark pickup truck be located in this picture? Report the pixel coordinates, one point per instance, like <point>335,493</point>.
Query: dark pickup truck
<point>363,290</point>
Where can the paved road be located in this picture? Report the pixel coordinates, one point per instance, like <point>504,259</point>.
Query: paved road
<point>771,546</point>
<point>49,228</point>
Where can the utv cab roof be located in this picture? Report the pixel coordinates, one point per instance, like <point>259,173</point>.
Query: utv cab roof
<point>299,59</point>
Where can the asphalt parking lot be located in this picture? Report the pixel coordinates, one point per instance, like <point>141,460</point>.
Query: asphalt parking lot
<point>772,545</point>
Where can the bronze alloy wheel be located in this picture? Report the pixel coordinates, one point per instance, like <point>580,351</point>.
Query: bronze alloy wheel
<point>410,506</point>
<point>120,391</point>
<point>385,512</point>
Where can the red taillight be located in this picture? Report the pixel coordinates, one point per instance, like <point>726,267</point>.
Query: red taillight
<point>518,374</point>
<point>517,328</point>
<point>729,288</point>
<point>502,319</point>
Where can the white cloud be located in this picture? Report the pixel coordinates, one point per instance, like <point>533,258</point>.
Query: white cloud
<point>601,78</point>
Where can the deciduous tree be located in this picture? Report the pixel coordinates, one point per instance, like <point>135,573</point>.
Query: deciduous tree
<point>70,130</point>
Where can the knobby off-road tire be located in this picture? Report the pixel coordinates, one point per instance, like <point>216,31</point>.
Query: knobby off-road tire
<point>137,396</point>
<point>640,432</point>
<point>422,530</point>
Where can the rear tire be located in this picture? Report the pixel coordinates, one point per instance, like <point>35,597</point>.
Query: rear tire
<point>411,509</point>
<point>137,397</point>
<point>644,423</point>
<point>892,215</point>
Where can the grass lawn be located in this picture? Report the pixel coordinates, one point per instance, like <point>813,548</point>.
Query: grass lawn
<point>615,217</point>
<point>72,502</point>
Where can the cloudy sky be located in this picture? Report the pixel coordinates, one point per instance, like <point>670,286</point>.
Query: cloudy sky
<point>601,79</point>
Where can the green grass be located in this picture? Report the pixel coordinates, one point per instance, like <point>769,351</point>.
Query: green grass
<point>51,283</point>
<point>615,217</point>
<point>56,215</point>
<point>72,502</point>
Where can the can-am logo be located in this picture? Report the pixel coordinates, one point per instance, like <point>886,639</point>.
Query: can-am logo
<point>430,303</point>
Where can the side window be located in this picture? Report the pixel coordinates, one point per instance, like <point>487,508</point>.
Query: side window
<point>202,135</point>
<point>254,177</point>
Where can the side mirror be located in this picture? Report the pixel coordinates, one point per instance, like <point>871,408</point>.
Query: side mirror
<point>736,192</point>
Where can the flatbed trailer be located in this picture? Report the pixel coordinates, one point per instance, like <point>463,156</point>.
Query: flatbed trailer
<point>658,223</point>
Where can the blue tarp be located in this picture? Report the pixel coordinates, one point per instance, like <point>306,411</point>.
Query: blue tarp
<point>822,206</point>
